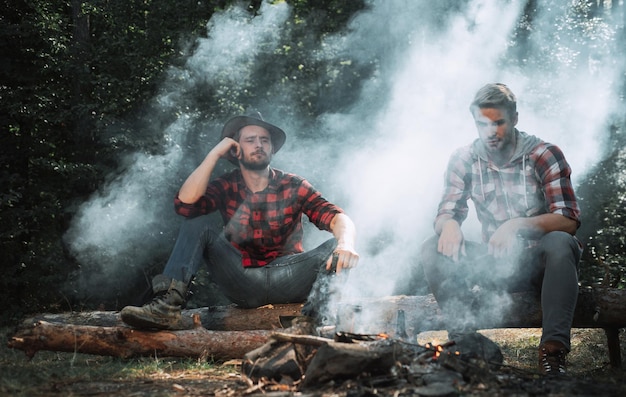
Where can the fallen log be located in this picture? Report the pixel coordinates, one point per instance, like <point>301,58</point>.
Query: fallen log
<point>216,318</point>
<point>126,342</point>
<point>595,308</point>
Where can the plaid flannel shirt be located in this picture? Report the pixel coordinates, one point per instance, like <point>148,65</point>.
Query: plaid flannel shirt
<point>536,181</point>
<point>263,225</point>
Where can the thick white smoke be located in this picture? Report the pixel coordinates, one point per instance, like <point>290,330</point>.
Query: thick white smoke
<point>393,179</point>
<point>383,160</point>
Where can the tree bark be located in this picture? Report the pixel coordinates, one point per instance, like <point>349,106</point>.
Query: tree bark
<point>215,318</point>
<point>127,342</point>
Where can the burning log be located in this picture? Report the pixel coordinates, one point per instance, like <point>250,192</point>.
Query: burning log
<point>311,360</point>
<point>345,360</point>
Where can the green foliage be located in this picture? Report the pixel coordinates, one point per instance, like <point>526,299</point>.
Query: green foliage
<point>603,199</point>
<point>72,72</point>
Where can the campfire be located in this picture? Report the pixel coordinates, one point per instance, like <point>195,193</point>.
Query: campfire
<point>304,361</point>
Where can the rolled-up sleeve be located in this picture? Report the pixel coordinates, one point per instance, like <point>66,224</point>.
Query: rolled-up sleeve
<point>555,174</point>
<point>319,210</point>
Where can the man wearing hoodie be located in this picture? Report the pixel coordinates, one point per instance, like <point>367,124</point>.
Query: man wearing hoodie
<point>522,192</point>
<point>257,257</point>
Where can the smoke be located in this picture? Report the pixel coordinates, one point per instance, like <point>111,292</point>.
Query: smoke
<point>393,175</point>
<point>382,158</point>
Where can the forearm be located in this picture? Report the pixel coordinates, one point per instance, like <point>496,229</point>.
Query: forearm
<point>344,231</point>
<point>196,183</point>
<point>546,223</point>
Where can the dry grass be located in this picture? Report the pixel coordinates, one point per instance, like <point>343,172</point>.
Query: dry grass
<point>588,358</point>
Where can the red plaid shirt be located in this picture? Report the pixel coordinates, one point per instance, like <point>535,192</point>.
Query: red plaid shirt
<point>536,181</point>
<point>263,225</point>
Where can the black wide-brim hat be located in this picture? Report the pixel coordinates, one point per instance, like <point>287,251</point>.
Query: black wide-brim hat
<point>238,122</point>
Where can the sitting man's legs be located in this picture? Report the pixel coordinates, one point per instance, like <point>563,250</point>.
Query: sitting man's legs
<point>170,288</point>
<point>285,280</point>
<point>560,254</point>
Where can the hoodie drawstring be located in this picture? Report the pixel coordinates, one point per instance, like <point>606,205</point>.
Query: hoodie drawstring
<point>482,185</point>
<point>524,177</point>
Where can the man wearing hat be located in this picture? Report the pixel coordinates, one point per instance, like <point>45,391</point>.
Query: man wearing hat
<point>258,257</point>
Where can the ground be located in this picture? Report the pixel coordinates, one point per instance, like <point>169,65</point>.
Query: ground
<point>67,374</point>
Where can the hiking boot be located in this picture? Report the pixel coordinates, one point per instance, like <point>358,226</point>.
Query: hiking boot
<point>552,358</point>
<point>473,345</point>
<point>164,312</point>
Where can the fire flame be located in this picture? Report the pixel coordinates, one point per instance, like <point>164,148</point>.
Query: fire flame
<point>439,348</point>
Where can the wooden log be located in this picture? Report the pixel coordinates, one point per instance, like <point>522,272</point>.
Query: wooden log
<point>216,318</point>
<point>126,342</point>
<point>344,360</point>
<point>596,308</point>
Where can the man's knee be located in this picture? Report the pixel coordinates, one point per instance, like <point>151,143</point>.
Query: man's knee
<point>197,224</point>
<point>560,249</point>
<point>560,242</point>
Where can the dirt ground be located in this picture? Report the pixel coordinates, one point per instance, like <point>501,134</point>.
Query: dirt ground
<point>67,374</point>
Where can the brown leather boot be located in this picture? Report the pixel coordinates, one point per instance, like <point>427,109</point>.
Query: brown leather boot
<point>552,358</point>
<point>164,312</point>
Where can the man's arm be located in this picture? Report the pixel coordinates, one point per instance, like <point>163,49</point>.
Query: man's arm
<point>503,240</point>
<point>344,231</point>
<point>196,183</point>
<point>451,240</point>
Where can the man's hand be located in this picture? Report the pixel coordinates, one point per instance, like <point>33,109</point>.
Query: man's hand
<point>504,241</point>
<point>451,242</point>
<point>342,258</point>
<point>227,147</point>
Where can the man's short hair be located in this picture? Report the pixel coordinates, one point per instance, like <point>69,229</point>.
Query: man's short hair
<point>495,95</point>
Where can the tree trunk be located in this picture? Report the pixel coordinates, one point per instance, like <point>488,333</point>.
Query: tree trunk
<point>215,318</point>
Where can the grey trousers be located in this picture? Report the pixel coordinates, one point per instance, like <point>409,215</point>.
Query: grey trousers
<point>287,279</point>
<point>461,288</point>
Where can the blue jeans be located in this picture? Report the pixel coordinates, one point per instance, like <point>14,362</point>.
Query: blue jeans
<point>287,279</point>
<point>550,268</point>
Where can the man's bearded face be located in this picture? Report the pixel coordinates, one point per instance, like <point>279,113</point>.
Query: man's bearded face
<point>256,148</point>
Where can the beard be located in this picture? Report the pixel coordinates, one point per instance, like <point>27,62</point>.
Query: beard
<point>255,165</point>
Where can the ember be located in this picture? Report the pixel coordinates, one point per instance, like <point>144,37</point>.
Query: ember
<point>438,349</point>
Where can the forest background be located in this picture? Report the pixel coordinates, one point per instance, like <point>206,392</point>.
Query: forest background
<point>104,111</point>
